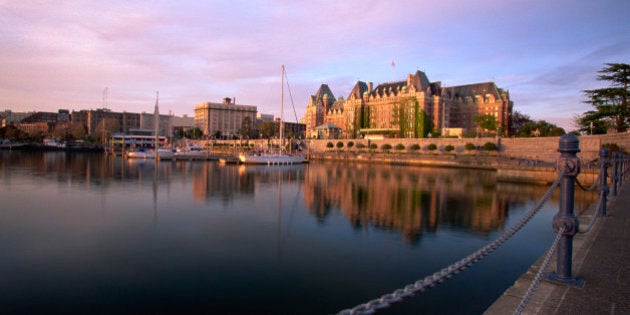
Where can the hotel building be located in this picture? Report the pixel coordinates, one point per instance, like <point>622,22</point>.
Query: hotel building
<point>412,108</point>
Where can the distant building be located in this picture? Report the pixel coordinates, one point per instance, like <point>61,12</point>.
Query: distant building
<point>42,122</point>
<point>13,118</point>
<point>410,108</point>
<point>183,123</point>
<point>292,130</point>
<point>91,119</point>
<point>225,118</point>
<point>264,117</point>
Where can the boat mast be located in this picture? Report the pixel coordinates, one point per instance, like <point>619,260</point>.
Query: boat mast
<point>281,112</point>
<point>156,121</point>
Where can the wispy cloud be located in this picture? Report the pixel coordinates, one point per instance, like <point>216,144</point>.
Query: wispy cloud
<point>62,54</point>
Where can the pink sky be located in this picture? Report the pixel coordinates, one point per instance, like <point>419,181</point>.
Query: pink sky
<point>64,54</point>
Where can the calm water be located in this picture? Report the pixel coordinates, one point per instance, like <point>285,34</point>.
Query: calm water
<point>94,234</point>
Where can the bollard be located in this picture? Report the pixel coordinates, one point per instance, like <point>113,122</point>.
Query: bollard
<point>613,174</point>
<point>568,163</point>
<point>619,169</point>
<point>603,180</point>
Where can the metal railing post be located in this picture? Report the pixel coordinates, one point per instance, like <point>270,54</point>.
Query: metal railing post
<point>569,166</point>
<point>614,180</point>
<point>604,163</point>
<point>618,166</point>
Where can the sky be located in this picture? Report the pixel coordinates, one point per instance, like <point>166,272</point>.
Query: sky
<point>117,54</point>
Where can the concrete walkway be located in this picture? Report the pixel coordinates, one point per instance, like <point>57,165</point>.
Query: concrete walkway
<point>601,258</point>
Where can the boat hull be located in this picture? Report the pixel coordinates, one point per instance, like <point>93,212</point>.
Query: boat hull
<point>162,155</point>
<point>272,159</point>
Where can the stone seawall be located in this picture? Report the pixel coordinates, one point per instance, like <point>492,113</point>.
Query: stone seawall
<point>540,149</point>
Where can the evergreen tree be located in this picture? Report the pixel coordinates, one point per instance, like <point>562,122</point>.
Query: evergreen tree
<point>611,103</point>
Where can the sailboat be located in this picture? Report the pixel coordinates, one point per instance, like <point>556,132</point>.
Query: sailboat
<point>280,158</point>
<point>156,153</point>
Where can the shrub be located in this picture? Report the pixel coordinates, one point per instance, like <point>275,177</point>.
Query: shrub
<point>350,144</point>
<point>415,147</point>
<point>386,147</point>
<point>470,147</point>
<point>339,144</point>
<point>373,146</point>
<point>449,148</point>
<point>359,145</point>
<point>400,146</point>
<point>613,147</point>
<point>490,146</point>
<point>432,147</point>
<point>329,145</point>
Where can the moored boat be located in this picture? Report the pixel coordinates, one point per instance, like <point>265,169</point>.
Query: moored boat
<point>53,143</point>
<point>280,158</point>
<point>162,154</point>
<point>271,159</point>
<point>191,151</point>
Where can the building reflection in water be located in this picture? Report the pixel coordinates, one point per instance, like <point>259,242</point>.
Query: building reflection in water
<point>413,200</point>
<point>410,200</point>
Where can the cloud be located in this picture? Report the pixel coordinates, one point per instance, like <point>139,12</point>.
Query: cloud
<point>60,55</point>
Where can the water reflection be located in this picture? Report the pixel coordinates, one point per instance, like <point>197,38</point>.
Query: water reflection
<point>409,200</point>
<point>79,229</point>
<point>403,199</point>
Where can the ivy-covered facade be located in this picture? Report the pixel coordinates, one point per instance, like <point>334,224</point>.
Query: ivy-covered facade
<point>413,108</point>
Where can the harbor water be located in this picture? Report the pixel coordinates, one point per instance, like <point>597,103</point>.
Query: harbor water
<point>91,233</point>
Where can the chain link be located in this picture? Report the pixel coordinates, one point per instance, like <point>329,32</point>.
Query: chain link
<point>600,203</point>
<point>538,277</point>
<point>438,277</point>
<point>595,184</point>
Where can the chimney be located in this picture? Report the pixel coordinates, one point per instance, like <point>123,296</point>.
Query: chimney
<point>408,80</point>
<point>369,87</point>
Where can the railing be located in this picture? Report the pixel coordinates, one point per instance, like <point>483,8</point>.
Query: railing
<point>565,224</point>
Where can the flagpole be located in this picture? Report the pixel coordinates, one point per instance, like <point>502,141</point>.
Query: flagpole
<point>393,67</point>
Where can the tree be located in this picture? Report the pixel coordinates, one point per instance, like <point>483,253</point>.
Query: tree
<point>179,134</point>
<point>267,129</point>
<point>518,121</point>
<point>611,103</point>
<point>60,131</point>
<point>486,122</point>
<point>539,128</point>
<point>10,132</point>
<point>78,132</point>
<point>105,128</point>
<point>246,127</point>
<point>194,133</point>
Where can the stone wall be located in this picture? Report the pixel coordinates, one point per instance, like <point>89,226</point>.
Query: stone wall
<point>542,149</point>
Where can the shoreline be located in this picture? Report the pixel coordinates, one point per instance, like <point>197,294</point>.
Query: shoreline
<point>507,169</point>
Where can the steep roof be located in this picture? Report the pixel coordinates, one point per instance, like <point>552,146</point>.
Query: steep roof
<point>358,90</point>
<point>337,105</point>
<point>418,80</point>
<point>471,90</point>
<point>323,90</point>
<point>317,99</point>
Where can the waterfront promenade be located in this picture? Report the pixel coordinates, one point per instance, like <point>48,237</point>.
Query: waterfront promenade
<point>601,258</point>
